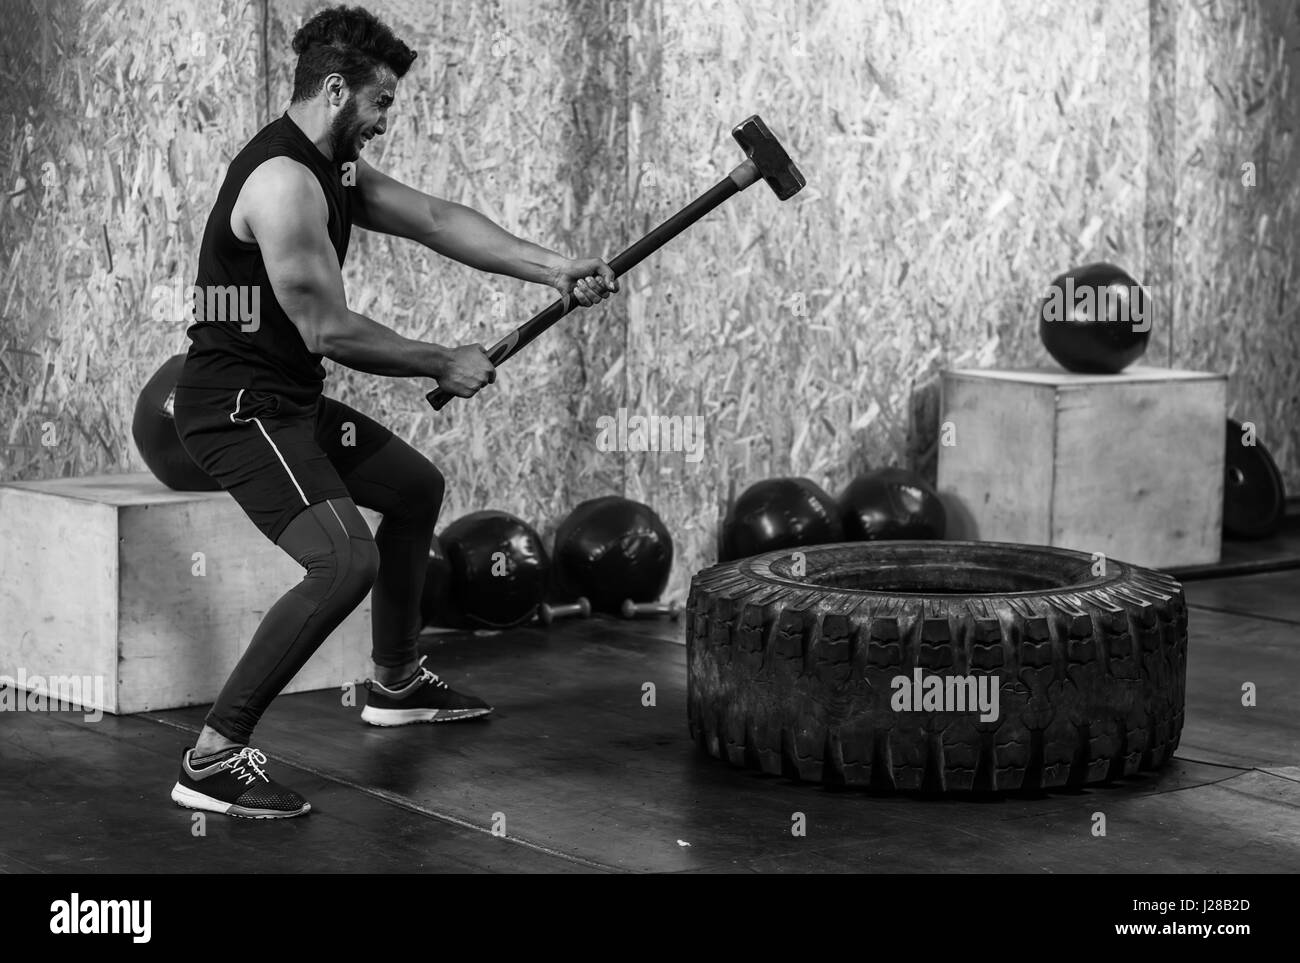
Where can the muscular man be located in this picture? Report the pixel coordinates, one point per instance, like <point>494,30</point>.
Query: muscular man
<point>250,410</point>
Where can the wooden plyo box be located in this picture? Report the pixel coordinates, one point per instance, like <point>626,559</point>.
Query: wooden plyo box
<point>99,578</point>
<point>1130,465</point>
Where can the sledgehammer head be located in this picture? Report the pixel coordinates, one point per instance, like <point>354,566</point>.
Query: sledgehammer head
<point>773,163</point>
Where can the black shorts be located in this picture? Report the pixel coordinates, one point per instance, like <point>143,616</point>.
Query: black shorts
<point>274,455</point>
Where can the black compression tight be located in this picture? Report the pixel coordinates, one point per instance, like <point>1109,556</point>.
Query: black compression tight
<point>343,562</point>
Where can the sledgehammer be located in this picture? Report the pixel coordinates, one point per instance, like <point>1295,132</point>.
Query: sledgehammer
<point>764,158</point>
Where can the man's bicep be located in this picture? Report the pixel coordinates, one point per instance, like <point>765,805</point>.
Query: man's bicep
<point>290,227</point>
<point>391,207</point>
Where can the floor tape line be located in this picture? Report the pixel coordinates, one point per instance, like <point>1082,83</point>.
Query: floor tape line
<point>404,803</point>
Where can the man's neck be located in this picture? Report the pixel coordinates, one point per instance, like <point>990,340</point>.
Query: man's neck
<point>312,123</point>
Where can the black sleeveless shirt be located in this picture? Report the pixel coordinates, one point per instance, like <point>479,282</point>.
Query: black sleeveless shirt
<point>241,337</point>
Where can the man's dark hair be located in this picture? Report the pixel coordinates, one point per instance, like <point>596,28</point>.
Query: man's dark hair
<point>349,41</point>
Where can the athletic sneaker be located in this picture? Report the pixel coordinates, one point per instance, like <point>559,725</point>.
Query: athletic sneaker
<point>422,698</point>
<point>234,783</point>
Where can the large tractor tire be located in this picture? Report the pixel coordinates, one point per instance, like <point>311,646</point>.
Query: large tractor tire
<point>794,657</point>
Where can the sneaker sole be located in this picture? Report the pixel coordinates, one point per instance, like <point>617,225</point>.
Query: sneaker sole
<point>406,717</point>
<point>193,799</point>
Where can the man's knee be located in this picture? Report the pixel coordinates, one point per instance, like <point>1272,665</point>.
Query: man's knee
<point>334,544</point>
<point>422,490</point>
<point>362,565</point>
<point>435,486</point>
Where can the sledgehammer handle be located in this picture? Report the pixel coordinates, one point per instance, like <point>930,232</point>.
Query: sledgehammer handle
<point>735,182</point>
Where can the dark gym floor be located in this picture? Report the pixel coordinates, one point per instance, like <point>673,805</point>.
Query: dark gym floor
<point>588,780</point>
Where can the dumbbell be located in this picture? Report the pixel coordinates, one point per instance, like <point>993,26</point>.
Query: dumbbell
<point>580,609</point>
<point>633,610</point>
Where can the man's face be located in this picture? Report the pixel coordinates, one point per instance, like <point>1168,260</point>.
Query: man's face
<point>362,116</point>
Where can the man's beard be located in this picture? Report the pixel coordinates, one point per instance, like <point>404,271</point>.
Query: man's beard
<point>345,132</point>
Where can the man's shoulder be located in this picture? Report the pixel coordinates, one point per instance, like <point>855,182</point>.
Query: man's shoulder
<point>282,191</point>
<point>273,145</point>
<point>281,176</point>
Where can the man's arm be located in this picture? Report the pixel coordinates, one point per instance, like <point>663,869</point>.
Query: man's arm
<point>288,218</point>
<point>463,234</point>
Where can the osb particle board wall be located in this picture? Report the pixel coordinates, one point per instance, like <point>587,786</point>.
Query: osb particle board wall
<point>958,155</point>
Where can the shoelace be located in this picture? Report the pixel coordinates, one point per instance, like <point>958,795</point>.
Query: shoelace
<point>430,678</point>
<point>248,759</point>
<point>422,678</point>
